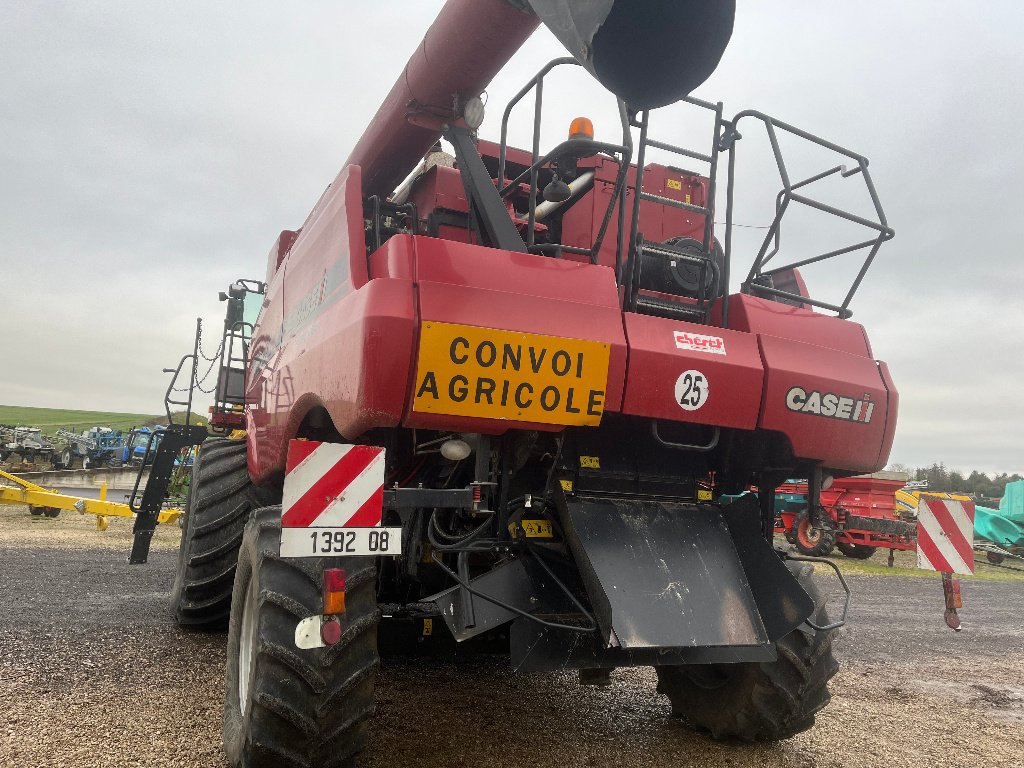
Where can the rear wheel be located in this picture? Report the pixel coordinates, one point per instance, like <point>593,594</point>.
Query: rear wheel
<point>286,706</point>
<point>220,498</point>
<point>759,701</point>
<point>856,551</point>
<point>51,511</point>
<point>66,459</point>
<point>995,558</point>
<point>37,511</point>
<point>816,541</point>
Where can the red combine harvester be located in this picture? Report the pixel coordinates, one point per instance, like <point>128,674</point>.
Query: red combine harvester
<point>502,402</point>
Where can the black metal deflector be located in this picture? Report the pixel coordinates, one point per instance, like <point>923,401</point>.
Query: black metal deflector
<point>781,601</point>
<point>491,218</point>
<point>416,498</point>
<point>535,648</point>
<point>669,575</point>
<point>513,583</point>
<point>175,437</point>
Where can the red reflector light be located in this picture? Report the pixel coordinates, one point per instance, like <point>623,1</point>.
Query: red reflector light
<point>334,591</point>
<point>330,631</point>
<point>334,579</point>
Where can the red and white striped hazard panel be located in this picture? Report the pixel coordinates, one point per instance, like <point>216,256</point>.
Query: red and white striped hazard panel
<point>334,501</point>
<point>945,535</point>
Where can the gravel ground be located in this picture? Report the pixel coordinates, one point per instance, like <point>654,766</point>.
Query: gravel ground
<point>93,673</point>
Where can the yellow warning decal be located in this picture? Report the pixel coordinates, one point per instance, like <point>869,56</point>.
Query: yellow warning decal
<point>538,529</point>
<point>590,462</point>
<point>487,373</point>
<point>566,485</point>
<point>674,184</point>
<point>704,495</point>
<point>428,627</point>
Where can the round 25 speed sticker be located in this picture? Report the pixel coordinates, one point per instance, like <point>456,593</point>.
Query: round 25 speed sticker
<point>691,390</point>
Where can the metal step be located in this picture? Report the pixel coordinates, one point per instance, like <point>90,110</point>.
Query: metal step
<point>673,310</point>
<point>650,197</point>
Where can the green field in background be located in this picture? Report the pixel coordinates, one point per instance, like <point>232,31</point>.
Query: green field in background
<point>50,419</point>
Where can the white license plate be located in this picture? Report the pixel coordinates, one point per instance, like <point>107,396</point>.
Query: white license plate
<point>327,542</point>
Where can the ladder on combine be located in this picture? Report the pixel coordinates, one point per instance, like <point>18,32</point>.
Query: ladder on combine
<point>147,505</point>
<point>697,266</point>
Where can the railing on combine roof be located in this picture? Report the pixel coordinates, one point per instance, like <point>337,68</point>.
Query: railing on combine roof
<point>619,153</point>
<point>759,280</point>
<point>689,297</point>
<point>632,251</point>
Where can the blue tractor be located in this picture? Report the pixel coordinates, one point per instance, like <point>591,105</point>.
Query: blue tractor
<point>138,442</point>
<point>95,447</point>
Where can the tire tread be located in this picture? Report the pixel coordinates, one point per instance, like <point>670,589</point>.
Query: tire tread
<point>221,497</point>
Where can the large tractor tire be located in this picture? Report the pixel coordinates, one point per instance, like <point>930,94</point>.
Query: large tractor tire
<point>285,706</point>
<point>815,541</point>
<point>856,551</point>
<point>759,701</point>
<point>220,499</point>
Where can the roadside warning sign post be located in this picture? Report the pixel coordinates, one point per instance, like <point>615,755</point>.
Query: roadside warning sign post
<point>945,543</point>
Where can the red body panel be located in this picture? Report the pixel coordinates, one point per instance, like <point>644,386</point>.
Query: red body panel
<point>468,285</point>
<point>320,342</point>
<point>735,378</point>
<point>770,318</point>
<point>835,442</point>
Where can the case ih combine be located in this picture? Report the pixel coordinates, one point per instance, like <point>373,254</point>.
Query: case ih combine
<point>506,398</point>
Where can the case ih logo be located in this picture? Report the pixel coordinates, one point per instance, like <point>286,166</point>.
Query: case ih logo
<point>827,404</point>
<point>696,342</point>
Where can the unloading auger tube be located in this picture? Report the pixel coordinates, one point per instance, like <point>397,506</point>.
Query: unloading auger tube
<point>647,52</point>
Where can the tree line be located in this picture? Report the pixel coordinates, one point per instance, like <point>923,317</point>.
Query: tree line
<point>977,484</point>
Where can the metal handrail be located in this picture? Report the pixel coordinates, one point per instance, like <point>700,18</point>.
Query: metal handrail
<point>536,84</point>
<point>788,195</point>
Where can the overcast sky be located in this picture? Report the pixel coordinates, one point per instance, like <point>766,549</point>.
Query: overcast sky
<point>151,152</point>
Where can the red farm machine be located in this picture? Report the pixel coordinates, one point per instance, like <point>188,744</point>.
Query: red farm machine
<point>857,515</point>
<point>505,402</point>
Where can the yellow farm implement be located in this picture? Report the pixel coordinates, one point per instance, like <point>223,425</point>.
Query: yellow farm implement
<point>50,502</point>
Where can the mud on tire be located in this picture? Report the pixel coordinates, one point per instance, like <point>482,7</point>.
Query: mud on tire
<point>759,701</point>
<point>220,499</point>
<point>285,706</point>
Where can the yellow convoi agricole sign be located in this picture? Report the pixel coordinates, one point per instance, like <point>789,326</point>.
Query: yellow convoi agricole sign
<point>487,373</point>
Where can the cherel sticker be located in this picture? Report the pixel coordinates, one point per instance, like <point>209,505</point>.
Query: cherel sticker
<point>692,390</point>
<point>830,405</point>
<point>698,342</point>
